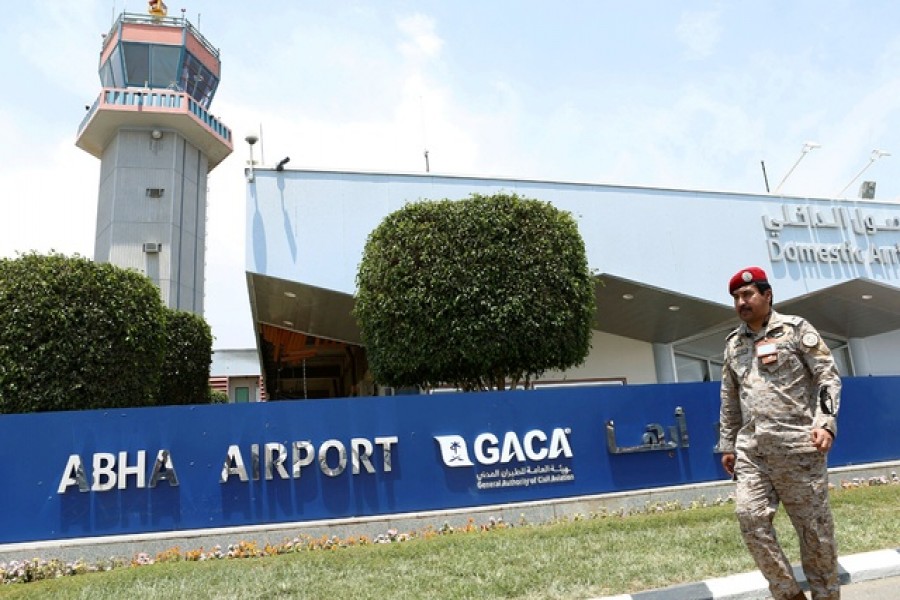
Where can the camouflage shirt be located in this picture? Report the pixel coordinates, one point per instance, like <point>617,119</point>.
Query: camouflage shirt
<point>777,385</point>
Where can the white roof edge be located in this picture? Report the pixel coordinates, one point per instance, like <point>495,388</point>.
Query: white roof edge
<point>338,171</point>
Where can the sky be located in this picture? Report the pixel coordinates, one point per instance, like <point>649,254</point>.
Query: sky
<point>694,94</point>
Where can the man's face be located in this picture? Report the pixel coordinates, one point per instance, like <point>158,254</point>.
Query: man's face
<point>752,306</point>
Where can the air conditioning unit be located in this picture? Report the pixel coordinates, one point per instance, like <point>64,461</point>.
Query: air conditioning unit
<point>152,247</point>
<point>867,190</point>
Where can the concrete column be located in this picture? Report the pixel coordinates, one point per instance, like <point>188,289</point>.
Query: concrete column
<point>664,361</point>
<point>859,357</point>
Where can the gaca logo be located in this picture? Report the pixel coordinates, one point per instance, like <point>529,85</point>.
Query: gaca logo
<point>488,449</point>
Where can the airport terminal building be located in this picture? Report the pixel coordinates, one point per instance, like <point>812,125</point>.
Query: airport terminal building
<point>662,257</point>
<point>370,455</point>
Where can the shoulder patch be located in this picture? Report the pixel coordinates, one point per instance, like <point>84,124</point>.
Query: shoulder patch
<point>810,340</point>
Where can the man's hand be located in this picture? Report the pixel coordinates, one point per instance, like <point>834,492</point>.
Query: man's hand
<point>821,439</point>
<point>728,462</point>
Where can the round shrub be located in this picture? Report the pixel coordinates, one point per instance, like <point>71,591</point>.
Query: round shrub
<point>75,334</point>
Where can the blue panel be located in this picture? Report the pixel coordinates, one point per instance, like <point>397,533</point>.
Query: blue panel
<point>554,441</point>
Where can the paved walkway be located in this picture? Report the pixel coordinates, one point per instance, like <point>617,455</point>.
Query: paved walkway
<point>869,576</point>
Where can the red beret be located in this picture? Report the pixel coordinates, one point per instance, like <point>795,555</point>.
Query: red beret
<point>747,276</point>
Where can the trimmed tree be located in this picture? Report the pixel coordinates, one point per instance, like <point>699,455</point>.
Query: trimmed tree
<point>185,368</point>
<point>75,334</point>
<point>478,294</point>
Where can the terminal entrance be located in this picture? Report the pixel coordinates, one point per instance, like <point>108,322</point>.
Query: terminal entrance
<point>298,366</point>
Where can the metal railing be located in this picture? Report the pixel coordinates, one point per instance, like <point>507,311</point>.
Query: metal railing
<point>179,22</point>
<point>158,99</point>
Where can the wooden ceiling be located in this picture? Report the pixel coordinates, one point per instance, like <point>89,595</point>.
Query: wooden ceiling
<point>293,347</point>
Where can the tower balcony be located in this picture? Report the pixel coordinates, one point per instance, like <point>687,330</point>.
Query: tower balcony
<point>154,109</point>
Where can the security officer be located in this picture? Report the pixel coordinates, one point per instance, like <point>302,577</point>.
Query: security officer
<point>780,398</point>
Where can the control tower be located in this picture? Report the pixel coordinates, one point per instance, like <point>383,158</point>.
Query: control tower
<point>157,142</point>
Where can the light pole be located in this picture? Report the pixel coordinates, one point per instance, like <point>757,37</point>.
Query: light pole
<point>807,147</point>
<point>876,154</point>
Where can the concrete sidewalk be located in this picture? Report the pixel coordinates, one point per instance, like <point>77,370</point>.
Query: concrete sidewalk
<point>854,568</point>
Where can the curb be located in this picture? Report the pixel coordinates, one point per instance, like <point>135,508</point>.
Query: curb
<point>752,586</point>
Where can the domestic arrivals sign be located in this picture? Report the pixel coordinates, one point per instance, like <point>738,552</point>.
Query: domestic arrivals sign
<point>833,235</point>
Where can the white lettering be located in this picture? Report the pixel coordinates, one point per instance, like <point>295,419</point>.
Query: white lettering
<point>386,443</point>
<point>512,448</point>
<point>304,453</point>
<point>254,461</point>
<point>885,255</point>
<point>163,470</point>
<point>113,471</point>
<point>812,253</point>
<point>360,453</point>
<point>234,465</point>
<point>275,456</point>
<point>138,470</point>
<point>534,447</point>
<point>73,474</point>
<point>104,472</point>
<point>323,458</point>
<point>559,444</point>
<point>331,457</point>
<point>487,455</point>
<point>530,452</point>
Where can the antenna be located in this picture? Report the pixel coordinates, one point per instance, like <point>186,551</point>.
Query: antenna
<point>262,147</point>
<point>807,147</point>
<point>424,134</point>
<point>765,177</point>
<point>876,154</point>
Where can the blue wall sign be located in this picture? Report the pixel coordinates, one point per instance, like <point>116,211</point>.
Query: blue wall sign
<point>110,472</point>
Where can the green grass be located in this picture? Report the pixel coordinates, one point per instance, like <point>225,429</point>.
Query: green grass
<point>579,558</point>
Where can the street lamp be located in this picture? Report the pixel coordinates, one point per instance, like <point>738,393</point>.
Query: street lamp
<point>876,154</point>
<point>807,147</point>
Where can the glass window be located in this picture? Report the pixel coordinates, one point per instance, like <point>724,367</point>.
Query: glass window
<point>715,370</point>
<point>164,66</point>
<point>690,368</point>
<point>106,77</point>
<point>137,63</point>
<point>205,93</point>
<point>115,66</point>
<point>190,74</point>
<point>197,80</point>
<point>841,353</point>
<point>241,394</point>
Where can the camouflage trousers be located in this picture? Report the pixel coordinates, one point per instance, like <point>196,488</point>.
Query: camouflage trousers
<point>800,482</point>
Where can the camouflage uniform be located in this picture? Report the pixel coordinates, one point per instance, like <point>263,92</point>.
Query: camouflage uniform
<point>768,412</point>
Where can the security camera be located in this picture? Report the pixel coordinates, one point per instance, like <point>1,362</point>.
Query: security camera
<point>282,162</point>
<point>251,138</point>
<point>156,134</point>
